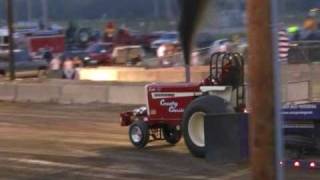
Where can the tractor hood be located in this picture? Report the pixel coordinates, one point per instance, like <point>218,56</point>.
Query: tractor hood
<point>168,101</point>
<point>171,87</point>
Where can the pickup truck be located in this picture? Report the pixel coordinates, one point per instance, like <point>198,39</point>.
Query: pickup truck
<point>24,65</point>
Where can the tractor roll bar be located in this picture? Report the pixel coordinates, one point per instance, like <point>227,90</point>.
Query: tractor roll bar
<point>217,62</point>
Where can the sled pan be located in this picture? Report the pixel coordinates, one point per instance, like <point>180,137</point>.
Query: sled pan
<point>226,138</point>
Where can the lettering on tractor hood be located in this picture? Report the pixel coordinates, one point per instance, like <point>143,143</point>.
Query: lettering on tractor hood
<point>173,106</point>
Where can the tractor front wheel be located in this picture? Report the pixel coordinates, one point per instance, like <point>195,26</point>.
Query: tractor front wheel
<point>139,134</point>
<point>172,134</point>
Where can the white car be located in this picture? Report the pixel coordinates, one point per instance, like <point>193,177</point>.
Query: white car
<point>166,38</point>
<point>221,45</point>
<point>226,45</point>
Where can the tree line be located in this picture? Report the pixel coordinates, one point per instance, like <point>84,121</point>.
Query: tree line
<point>61,10</point>
<point>95,9</point>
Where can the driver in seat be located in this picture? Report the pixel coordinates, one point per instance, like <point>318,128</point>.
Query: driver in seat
<point>230,75</point>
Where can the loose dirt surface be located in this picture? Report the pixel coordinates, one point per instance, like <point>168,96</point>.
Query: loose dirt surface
<point>49,141</point>
<point>45,141</point>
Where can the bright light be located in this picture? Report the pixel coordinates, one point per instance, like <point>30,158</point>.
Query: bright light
<point>98,74</point>
<point>223,48</point>
<point>281,163</point>
<point>312,164</point>
<point>296,164</point>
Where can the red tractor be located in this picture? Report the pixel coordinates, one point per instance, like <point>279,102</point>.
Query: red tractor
<point>177,109</point>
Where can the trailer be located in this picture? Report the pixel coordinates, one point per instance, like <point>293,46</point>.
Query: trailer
<point>302,135</point>
<point>35,41</point>
<point>55,43</point>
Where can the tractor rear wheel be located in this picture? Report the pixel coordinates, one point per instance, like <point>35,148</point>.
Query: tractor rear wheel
<point>172,134</point>
<point>193,121</point>
<point>139,134</point>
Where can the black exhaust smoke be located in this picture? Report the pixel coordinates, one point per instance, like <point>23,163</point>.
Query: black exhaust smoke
<point>191,12</point>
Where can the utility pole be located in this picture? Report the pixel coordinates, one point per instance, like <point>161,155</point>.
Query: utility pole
<point>45,13</point>
<point>265,123</point>
<point>11,40</point>
<point>168,6</point>
<point>155,8</point>
<point>29,9</point>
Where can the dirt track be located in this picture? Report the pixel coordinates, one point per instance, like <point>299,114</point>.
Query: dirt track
<point>42,141</point>
<point>45,141</point>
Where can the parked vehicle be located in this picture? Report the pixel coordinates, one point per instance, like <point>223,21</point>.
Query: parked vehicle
<point>204,40</point>
<point>24,65</point>
<point>220,45</point>
<point>54,43</point>
<point>128,55</point>
<point>166,38</point>
<point>147,39</point>
<point>35,40</point>
<point>98,54</point>
<point>80,37</point>
<point>75,51</point>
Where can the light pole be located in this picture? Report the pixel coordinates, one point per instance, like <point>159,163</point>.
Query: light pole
<point>44,4</point>
<point>168,6</point>
<point>11,39</point>
<point>29,9</point>
<point>156,8</point>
